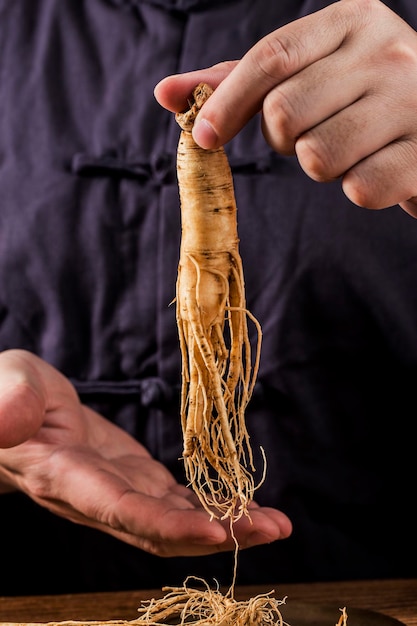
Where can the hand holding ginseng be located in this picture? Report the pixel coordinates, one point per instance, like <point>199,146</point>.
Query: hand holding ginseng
<point>82,467</point>
<point>338,88</point>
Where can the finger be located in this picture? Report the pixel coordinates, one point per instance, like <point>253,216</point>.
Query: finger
<point>275,58</point>
<point>330,149</point>
<point>192,532</point>
<point>385,178</point>
<point>410,206</point>
<point>263,526</point>
<point>311,97</point>
<point>173,92</point>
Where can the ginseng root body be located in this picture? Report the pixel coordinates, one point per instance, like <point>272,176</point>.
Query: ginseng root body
<point>219,369</point>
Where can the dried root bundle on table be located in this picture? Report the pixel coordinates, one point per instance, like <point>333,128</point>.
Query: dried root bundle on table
<point>201,605</point>
<point>210,607</point>
<point>219,369</point>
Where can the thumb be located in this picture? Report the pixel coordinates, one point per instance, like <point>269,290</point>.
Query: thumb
<point>22,397</point>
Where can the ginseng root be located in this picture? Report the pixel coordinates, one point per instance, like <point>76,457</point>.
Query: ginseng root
<point>219,368</point>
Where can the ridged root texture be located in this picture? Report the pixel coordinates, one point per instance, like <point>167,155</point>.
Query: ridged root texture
<point>219,368</point>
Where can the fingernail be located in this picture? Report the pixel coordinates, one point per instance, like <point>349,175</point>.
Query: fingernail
<point>204,134</point>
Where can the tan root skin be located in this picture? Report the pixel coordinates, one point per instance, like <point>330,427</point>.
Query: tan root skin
<point>218,369</point>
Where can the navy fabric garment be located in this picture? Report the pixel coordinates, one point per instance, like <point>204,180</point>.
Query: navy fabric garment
<point>89,241</point>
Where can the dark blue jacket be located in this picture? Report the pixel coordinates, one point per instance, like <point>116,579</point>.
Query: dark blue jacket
<point>89,241</point>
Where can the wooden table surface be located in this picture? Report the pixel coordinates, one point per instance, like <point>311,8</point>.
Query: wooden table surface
<point>394,598</point>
